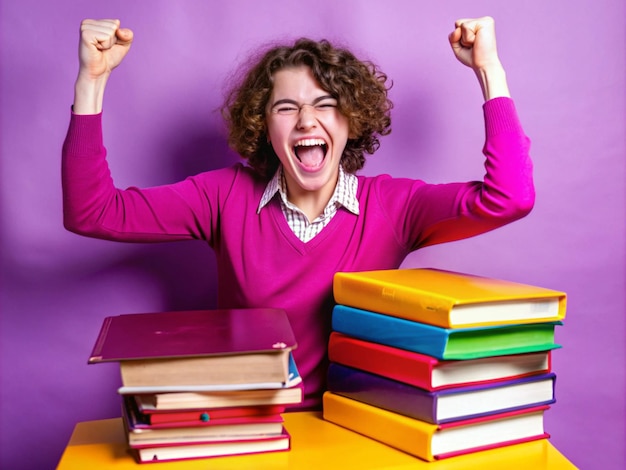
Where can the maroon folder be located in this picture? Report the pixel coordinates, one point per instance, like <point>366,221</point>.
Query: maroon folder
<point>192,333</point>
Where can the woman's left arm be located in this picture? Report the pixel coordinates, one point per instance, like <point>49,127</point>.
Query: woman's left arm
<point>435,214</point>
<point>473,42</point>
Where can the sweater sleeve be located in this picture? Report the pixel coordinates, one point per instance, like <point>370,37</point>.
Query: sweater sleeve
<point>94,207</point>
<point>431,214</point>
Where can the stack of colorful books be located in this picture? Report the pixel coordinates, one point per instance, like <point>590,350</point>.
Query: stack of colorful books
<point>437,363</point>
<point>202,383</point>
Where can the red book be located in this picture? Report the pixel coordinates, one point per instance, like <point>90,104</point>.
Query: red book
<point>182,417</point>
<point>428,372</point>
<point>141,421</point>
<point>198,348</point>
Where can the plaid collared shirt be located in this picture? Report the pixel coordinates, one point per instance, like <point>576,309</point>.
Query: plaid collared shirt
<point>344,196</point>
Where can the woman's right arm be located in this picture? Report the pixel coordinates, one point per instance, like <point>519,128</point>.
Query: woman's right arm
<point>103,45</point>
<point>92,205</point>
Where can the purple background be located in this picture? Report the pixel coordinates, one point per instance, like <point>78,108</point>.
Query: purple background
<point>565,62</point>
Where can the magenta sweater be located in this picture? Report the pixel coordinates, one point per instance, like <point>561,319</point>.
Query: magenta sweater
<point>260,262</point>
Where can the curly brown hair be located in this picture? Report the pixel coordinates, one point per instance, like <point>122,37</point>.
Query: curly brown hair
<point>359,87</point>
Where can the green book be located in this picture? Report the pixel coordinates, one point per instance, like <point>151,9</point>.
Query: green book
<point>444,343</point>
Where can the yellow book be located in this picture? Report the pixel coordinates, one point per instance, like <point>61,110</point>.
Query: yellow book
<point>431,441</point>
<point>448,299</point>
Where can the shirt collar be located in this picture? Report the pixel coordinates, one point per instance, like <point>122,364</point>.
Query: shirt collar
<point>344,194</point>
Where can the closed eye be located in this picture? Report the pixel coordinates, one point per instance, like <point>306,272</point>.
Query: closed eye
<point>290,107</point>
<point>325,106</point>
<point>286,109</point>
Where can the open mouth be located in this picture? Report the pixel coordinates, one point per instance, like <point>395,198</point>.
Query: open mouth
<point>310,152</point>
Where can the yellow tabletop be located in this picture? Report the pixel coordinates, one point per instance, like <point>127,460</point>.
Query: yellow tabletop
<point>315,444</point>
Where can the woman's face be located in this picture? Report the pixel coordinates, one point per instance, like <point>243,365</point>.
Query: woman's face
<point>307,132</point>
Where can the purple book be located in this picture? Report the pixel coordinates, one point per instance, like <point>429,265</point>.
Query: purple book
<point>192,333</point>
<point>441,406</point>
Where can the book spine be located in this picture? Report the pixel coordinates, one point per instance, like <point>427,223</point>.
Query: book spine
<point>401,432</point>
<point>96,353</point>
<point>382,393</point>
<point>390,331</point>
<point>398,364</point>
<point>392,299</point>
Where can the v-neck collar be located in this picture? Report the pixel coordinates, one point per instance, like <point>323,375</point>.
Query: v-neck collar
<point>304,247</point>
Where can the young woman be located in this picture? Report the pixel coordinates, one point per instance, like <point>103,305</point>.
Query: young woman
<point>303,116</point>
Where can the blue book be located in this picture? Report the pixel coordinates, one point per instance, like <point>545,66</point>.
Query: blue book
<point>442,406</point>
<point>444,343</point>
